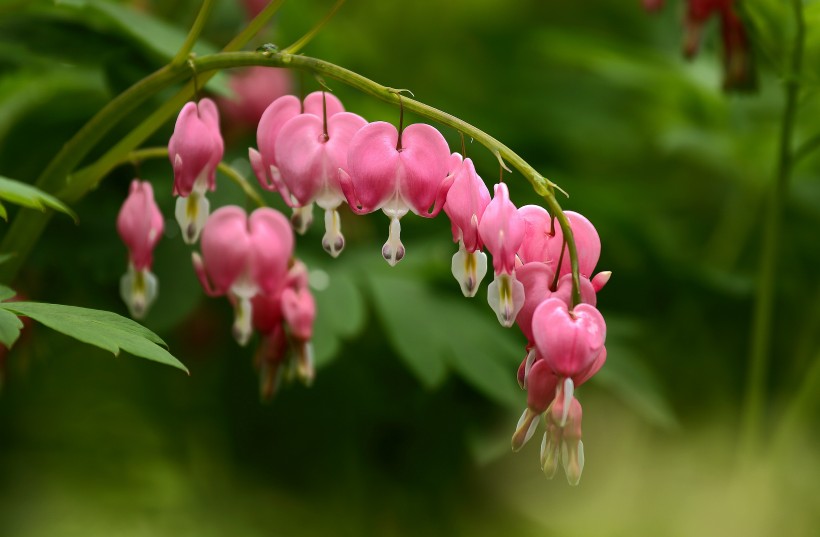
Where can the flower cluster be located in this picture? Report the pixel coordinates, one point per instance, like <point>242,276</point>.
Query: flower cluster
<point>738,65</point>
<point>314,152</point>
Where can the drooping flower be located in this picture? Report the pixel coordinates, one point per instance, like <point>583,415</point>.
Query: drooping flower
<point>140,225</point>
<point>310,150</point>
<point>569,341</point>
<point>285,320</point>
<point>466,201</point>
<point>738,63</point>
<point>299,311</point>
<point>397,172</point>
<point>195,150</point>
<point>265,161</point>
<point>502,231</point>
<point>563,441</point>
<point>244,256</point>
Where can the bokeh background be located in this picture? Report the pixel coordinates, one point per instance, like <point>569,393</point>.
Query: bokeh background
<point>406,430</point>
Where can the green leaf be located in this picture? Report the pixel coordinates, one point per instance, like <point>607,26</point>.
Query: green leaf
<point>6,293</point>
<point>10,326</point>
<point>3,214</point>
<point>433,332</point>
<point>31,197</point>
<point>340,313</point>
<point>154,35</point>
<point>103,329</point>
<point>4,258</point>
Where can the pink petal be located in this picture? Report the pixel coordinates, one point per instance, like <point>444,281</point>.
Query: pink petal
<point>569,343</point>
<point>308,163</point>
<point>502,230</point>
<point>587,243</point>
<point>466,201</point>
<point>313,104</point>
<point>226,247</point>
<point>372,167</point>
<point>537,227</point>
<point>272,247</point>
<point>541,384</point>
<point>537,279</point>
<point>276,115</point>
<point>426,160</point>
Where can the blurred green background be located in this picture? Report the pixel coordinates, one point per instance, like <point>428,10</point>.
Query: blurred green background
<point>406,429</point>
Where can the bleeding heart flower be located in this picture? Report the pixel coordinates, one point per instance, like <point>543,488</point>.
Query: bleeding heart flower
<point>140,225</point>
<point>502,230</point>
<point>397,172</point>
<point>466,201</point>
<point>310,150</point>
<point>244,256</point>
<point>265,161</point>
<point>195,150</point>
<point>254,89</point>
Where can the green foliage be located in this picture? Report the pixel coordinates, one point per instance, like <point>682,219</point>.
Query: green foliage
<point>154,36</point>
<point>29,196</point>
<point>433,333</point>
<point>102,329</point>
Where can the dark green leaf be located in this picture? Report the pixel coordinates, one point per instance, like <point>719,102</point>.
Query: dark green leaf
<point>340,313</point>
<point>103,329</point>
<point>10,326</point>
<point>29,196</point>
<point>431,332</point>
<point>154,35</point>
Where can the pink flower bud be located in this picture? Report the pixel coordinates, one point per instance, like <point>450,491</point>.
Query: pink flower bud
<point>502,230</point>
<point>466,201</point>
<point>195,150</point>
<point>140,225</point>
<point>397,174</point>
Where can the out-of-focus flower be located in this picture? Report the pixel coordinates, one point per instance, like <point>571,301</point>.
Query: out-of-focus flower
<point>140,225</point>
<point>254,89</point>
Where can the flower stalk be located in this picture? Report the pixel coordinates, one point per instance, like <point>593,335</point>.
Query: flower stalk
<point>762,317</point>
